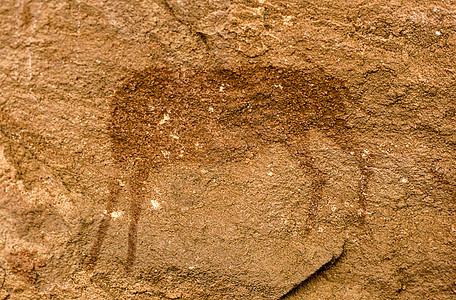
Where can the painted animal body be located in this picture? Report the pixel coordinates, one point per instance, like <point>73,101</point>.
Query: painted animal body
<point>165,115</point>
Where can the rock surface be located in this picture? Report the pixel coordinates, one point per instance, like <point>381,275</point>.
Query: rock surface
<point>227,149</point>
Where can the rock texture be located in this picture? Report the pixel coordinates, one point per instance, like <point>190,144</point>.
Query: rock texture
<point>227,149</point>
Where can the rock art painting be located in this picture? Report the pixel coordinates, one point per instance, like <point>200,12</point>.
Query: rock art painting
<point>190,149</point>
<point>163,118</point>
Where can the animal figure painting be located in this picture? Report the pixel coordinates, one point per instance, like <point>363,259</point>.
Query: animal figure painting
<point>165,115</point>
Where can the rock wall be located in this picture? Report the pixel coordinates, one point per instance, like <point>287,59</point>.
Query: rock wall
<point>318,148</point>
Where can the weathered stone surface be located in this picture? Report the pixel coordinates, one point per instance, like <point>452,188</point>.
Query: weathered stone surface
<point>325,167</point>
